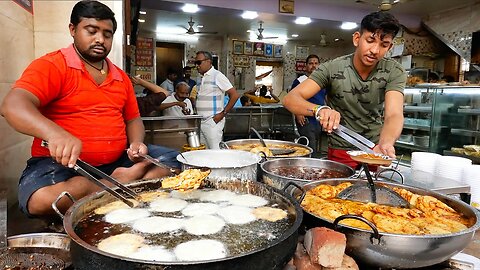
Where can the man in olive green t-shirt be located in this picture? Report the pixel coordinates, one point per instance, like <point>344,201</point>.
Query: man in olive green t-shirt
<point>364,90</point>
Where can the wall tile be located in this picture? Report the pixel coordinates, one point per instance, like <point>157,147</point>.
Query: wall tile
<point>17,49</point>
<point>12,163</point>
<point>16,14</point>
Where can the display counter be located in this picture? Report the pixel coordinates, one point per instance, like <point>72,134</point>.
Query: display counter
<point>439,118</point>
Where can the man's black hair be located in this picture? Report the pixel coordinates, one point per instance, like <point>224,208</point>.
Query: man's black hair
<point>312,56</point>
<point>92,9</point>
<point>187,68</point>
<point>244,100</point>
<point>382,22</point>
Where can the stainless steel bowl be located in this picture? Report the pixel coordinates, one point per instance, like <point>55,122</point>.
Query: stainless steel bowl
<point>233,143</point>
<point>278,181</point>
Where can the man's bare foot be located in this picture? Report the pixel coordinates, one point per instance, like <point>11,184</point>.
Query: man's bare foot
<point>136,172</point>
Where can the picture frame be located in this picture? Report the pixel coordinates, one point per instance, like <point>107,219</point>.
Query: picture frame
<point>258,48</point>
<point>237,47</point>
<point>241,61</point>
<point>269,50</point>
<point>248,48</point>
<point>286,6</point>
<point>278,50</point>
<point>301,52</point>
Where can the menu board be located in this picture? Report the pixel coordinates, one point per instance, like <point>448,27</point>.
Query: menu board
<point>144,52</point>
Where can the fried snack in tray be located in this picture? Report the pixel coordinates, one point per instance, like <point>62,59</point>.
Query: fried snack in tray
<point>255,148</point>
<point>370,158</point>
<point>428,215</point>
<point>188,179</point>
<point>263,149</point>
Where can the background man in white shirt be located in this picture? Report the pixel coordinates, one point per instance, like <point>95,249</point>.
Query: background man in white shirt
<point>209,100</point>
<point>178,103</point>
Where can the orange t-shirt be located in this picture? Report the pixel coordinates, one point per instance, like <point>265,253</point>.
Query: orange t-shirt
<point>96,114</point>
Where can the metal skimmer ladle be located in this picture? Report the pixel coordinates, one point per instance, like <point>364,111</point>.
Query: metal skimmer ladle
<point>370,192</point>
<point>275,151</point>
<point>367,192</point>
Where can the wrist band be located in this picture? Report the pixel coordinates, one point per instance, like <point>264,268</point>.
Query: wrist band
<point>318,109</point>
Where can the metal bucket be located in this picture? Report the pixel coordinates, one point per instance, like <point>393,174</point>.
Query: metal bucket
<point>193,138</point>
<point>224,164</point>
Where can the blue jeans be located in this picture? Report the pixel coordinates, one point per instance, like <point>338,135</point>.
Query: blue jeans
<point>45,171</point>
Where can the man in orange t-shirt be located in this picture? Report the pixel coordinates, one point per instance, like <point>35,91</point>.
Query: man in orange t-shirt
<point>85,107</point>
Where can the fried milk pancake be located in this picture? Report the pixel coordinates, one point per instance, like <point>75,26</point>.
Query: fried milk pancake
<point>199,209</point>
<point>218,195</point>
<point>168,205</point>
<point>153,253</point>
<point>200,250</point>
<point>152,195</point>
<point>123,244</point>
<point>156,224</point>
<point>236,214</point>
<point>113,206</point>
<point>204,225</point>
<point>248,200</point>
<point>269,213</point>
<point>126,215</point>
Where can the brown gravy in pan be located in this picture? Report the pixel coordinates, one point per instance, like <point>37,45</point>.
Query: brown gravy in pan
<point>307,173</point>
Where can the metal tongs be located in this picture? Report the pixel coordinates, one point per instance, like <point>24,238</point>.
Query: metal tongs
<point>358,192</point>
<point>157,163</point>
<point>355,139</point>
<point>87,170</point>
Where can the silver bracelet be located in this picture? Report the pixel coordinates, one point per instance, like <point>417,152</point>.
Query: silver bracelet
<point>317,110</point>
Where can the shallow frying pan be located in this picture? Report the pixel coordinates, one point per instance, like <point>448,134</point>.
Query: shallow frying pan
<point>37,251</point>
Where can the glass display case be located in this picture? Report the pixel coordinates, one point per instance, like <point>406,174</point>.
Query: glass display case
<point>441,119</point>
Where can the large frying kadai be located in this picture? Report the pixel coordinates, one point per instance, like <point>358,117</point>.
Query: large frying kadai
<point>399,251</point>
<point>272,256</point>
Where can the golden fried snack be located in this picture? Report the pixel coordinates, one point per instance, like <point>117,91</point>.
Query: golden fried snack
<point>188,179</point>
<point>269,213</point>
<point>113,206</point>
<point>152,195</point>
<point>428,215</point>
<point>263,149</point>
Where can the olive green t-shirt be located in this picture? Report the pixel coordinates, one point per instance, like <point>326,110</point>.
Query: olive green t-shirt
<point>360,102</point>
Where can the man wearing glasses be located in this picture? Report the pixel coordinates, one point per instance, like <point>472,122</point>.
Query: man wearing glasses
<point>209,100</point>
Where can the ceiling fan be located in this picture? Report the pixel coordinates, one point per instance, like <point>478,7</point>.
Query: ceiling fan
<point>192,31</point>
<point>260,32</point>
<point>384,5</point>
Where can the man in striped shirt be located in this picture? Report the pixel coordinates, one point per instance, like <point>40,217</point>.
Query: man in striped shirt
<point>209,100</point>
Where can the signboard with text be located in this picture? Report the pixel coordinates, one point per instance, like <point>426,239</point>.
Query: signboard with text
<point>144,52</point>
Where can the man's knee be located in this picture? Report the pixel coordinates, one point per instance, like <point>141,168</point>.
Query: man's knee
<point>40,203</point>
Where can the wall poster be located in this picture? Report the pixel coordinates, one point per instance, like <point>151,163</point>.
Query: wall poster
<point>269,50</point>
<point>237,47</point>
<point>258,48</point>
<point>248,48</point>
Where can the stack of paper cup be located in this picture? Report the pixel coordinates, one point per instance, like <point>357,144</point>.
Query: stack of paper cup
<point>451,167</point>
<point>424,161</point>
<point>471,176</point>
